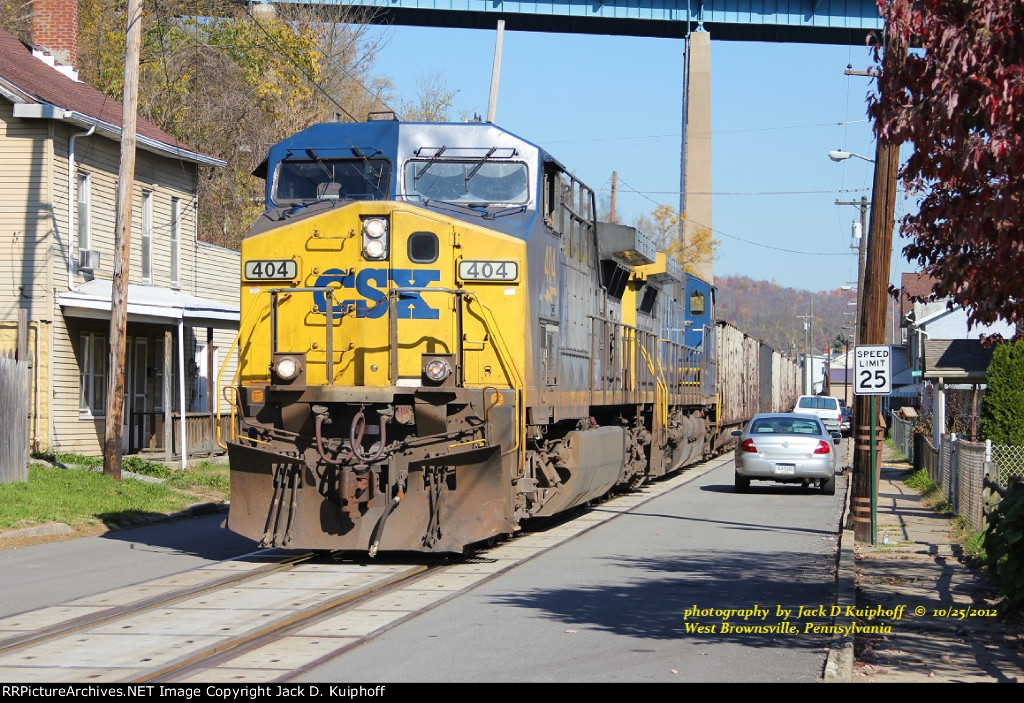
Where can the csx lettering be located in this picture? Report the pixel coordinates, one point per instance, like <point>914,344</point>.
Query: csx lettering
<point>371,285</point>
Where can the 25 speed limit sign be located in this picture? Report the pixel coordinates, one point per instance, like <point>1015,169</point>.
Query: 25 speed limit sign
<point>872,369</point>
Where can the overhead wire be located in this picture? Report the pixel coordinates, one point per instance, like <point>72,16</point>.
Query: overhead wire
<point>315,84</point>
<point>730,236</point>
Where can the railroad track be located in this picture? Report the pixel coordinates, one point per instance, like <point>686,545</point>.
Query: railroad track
<point>262,617</point>
<point>150,631</point>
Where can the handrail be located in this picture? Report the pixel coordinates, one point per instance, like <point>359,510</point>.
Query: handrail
<point>224,366</point>
<point>509,363</point>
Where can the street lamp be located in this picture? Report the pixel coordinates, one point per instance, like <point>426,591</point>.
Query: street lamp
<point>838,155</point>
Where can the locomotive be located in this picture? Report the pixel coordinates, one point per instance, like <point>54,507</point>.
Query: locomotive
<point>439,341</point>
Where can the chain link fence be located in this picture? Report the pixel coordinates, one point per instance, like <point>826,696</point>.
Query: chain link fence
<point>972,474</point>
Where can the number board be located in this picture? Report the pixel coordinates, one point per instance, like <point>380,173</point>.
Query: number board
<point>488,270</point>
<point>872,369</point>
<point>270,270</point>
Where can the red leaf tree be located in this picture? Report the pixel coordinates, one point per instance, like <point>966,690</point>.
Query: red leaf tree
<point>958,99</point>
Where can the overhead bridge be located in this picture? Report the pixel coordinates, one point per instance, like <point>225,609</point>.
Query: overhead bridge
<point>844,22</point>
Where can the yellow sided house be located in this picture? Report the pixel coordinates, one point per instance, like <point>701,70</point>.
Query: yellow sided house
<point>60,148</point>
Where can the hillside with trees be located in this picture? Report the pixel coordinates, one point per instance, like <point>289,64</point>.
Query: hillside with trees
<point>776,314</point>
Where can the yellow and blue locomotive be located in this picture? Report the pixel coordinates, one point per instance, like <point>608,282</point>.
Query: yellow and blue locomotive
<point>439,341</point>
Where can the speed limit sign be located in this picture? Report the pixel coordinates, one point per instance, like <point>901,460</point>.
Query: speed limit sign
<point>872,369</point>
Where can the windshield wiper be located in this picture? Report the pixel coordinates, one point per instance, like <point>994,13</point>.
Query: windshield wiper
<point>480,163</point>
<point>429,163</point>
<point>319,162</point>
<point>379,173</point>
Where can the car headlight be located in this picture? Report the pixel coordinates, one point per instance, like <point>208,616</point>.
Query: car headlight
<point>375,238</point>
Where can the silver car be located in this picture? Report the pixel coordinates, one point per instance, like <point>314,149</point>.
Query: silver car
<point>786,448</point>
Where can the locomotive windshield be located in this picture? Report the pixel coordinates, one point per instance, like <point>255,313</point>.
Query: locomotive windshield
<point>302,180</point>
<point>469,181</point>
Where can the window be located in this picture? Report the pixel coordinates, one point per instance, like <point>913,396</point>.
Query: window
<point>481,181</point>
<point>175,242</point>
<point>423,247</point>
<point>147,237</point>
<point>92,374</point>
<point>696,304</point>
<point>301,180</point>
<point>84,212</point>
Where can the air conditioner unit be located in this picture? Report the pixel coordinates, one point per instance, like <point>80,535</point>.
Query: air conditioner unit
<point>88,260</point>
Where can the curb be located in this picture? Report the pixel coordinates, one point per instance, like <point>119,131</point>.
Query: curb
<point>839,664</point>
<point>59,529</point>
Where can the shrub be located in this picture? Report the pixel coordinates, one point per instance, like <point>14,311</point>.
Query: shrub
<point>1004,550</point>
<point>1001,418</point>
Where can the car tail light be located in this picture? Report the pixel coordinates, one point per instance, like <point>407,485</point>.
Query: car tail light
<point>748,446</point>
<point>823,447</point>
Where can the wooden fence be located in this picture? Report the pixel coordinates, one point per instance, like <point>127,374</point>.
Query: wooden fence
<point>14,419</point>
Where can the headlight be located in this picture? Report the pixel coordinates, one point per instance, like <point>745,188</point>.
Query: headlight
<point>374,249</point>
<point>438,370</point>
<point>287,368</point>
<point>375,238</point>
<point>375,228</point>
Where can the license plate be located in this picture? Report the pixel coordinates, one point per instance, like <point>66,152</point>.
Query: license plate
<point>785,469</point>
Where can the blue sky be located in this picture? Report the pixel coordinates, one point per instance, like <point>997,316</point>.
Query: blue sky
<point>604,104</point>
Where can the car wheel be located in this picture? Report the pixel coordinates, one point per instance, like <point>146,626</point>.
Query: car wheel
<point>742,484</point>
<point>828,485</point>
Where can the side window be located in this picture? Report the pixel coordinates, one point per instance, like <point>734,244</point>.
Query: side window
<point>92,374</point>
<point>175,242</point>
<point>84,211</point>
<point>147,237</point>
<point>697,304</point>
<point>553,199</point>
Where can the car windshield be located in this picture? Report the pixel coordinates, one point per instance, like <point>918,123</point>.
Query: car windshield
<point>302,180</point>
<point>784,425</point>
<point>468,181</point>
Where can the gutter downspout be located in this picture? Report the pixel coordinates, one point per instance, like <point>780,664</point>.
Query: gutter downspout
<point>72,203</point>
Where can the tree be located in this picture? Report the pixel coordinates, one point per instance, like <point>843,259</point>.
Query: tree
<point>959,101</point>
<point>1001,418</point>
<point>434,101</point>
<point>666,227</point>
<point>231,81</point>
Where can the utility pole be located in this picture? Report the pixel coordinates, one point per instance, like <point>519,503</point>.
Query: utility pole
<point>615,189</point>
<point>808,380</point>
<point>863,204</point>
<point>122,241</point>
<point>872,312</point>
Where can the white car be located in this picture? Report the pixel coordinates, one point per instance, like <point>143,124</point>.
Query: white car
<point>825,407</point>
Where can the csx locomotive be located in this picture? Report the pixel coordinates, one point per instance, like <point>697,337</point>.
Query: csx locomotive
<point>439,341</point>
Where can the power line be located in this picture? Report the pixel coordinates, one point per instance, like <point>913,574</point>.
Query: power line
<point>765,192</point>
<point>733,237</point>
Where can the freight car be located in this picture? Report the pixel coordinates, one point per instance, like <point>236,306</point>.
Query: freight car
<point>439,341</point>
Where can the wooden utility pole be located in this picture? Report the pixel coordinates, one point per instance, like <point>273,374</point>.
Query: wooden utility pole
<point>122,247</point>
<point>874,300</point>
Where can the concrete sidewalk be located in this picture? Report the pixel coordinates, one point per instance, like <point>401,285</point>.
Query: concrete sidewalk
<point>929,610</point>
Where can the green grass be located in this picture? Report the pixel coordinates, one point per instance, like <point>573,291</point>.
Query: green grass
<point>968,537</point>
<point>931,491</point>
<point>80,497</point>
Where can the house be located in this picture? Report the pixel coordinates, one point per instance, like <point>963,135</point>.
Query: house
<point>943,352</point>
<point>60,141</point>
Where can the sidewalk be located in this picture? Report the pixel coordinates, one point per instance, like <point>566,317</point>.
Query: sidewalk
<point>930,609</point>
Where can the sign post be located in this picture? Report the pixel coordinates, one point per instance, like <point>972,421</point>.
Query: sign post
<point>872,373</point>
